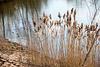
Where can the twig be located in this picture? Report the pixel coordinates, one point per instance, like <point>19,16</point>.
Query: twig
<point>88,53</point>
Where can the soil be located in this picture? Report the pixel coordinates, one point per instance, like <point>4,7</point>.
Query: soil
<point>13,54</point>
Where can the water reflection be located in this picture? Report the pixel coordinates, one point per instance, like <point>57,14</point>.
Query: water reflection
<point>17,21</point>
<point>13,20</point>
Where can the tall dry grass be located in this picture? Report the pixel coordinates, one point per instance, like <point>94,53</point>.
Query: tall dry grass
<point>66,42</point>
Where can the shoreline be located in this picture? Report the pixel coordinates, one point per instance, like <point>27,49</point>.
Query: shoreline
<point>11,43</point>
<point>8,51</point>
<point>13,55</point>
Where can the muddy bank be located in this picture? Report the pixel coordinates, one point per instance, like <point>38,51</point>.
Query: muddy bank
<point>13,54</point>
<point>9,53</point>
<point>10,45</point>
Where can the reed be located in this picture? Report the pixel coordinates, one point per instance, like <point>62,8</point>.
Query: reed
<point>63,43</point>
<point>66,53</point>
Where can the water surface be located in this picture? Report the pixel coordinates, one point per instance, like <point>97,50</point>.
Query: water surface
<point>14,21</point>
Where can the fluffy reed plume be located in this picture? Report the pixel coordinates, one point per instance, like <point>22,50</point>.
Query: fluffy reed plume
<point>42,32</point>
<point>97,33</point>
<point>51,24</point>
<point>65,46</point>
<point>67,13</point>
<point>41,18</point>
<point>55,23</point>
<point>13,32</point>
<point>65,20</point>
<point>47,19</point>
<point>38,27</point>
<point>87,28</point>
<point>92,28</point>
<point>69,31</point>
<point>72,10</point>
<point>44,20</point>
<point>64,27</point>
<point>44,14</point>
<point>64,16</point>
<point>75,14</point>
<point>36,31</point>
<point>82,26</point>
<point>68,22</point>
<point>56,34</point>
<point>59,22</point>
<point>15,8</point>
<point>59,15</point>
<point>34,23</point>
<point>75,24</point>
<point>50,16</point>
<point>70,17</point>
<point>96,25</point>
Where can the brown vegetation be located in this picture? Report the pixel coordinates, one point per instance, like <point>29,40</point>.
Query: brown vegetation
<point>63,43</point>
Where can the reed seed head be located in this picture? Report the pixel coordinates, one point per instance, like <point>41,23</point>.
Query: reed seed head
<point>34,23</point>
<point>96,25</point>
<point>81,25</point>
<point>41,18</point>
<point>67,13</point>
<point>44,13</point>
<point>72,10</point>
<point>50,16</point>
<point>59,15</point>
<point>15,8</point>
<point>64,16</point>
<point>75,24</point>
<point>38,28</point>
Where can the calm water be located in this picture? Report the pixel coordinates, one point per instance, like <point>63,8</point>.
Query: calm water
<point>13,21</point>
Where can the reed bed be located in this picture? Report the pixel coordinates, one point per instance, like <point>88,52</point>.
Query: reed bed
<point>67,42</point>
<point>64,42</point>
